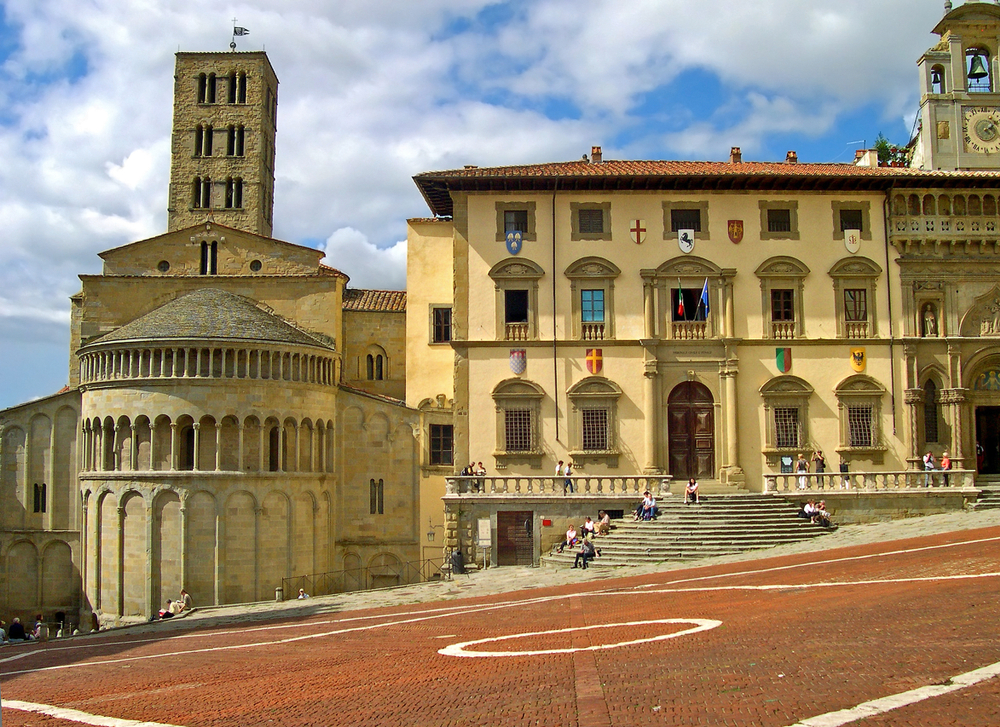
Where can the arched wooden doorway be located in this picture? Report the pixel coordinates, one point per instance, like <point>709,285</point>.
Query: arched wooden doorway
<point>691,431</point>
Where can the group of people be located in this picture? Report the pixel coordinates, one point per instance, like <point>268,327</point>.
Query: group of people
<point>565,471</point>
<point>816,513</point>
<point>584,538</point>
<point>17,633</point>
<point>475,469</point>
<point>802,467</point>
<point>175,607</point>
<point>931,464</point>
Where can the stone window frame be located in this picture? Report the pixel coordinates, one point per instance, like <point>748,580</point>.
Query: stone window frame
<point>516,274</point>
<point>855,273</point>
<point>782,272</point>
<point>432,309</point>
<point>701,205</point>
<point>793,209</point>
<point>575,233</point>
<point>594,392</point>
<point>785,391</point>
<point>593,273</point>
<point>430,444</point>
<point>529,207</point>
<point>376,496</point>
<point>931,404</point>
<point>518,394</point>
<point>866,217</point>
<point>861,390</point>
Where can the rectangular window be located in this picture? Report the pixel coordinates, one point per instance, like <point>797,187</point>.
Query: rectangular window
<point>441,444</point>
<point>786,427</point>
<point>781,305</point>
<point>595,430</point>
<point>591,221</point>
<point>859,425</point>
<point>592,306</point>
<point>686,305</point>
<point>441,325</point>
<point>515,306</point>
<point>855,305</point>
<point>517,430</point>
<point>376,497</point>
<point>851,220</point>
<point>779,220</point>
<point>515,221</point>
<point>681,219</point>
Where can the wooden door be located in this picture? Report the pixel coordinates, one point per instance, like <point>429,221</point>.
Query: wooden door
<point>515,544</point>
<point>691,431</point>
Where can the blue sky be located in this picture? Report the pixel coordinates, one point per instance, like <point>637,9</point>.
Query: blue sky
<point>375,91</point>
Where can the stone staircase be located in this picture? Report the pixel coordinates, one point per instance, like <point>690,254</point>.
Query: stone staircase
<point>719,525</point>
<point>989,497</point>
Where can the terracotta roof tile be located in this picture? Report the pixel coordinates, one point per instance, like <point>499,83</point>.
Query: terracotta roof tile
<point>357,299</point>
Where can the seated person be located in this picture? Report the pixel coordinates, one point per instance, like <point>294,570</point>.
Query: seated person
<point>17,632</point>
<point>186,603</point>
<point>822,516</point>
<point>691,492</point>
<point>587,552</point>
<point>603,523</point>
<point>807,511</point>
<point>166,612</point>
<point>589,529</point>
<point>570,540</point>
<point>175,607</point>
<point>649,510</point>
<point>302,594</point>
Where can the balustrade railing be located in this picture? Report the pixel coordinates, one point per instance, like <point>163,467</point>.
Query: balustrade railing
<point>592,331</point>
<point>857,329</point>
<point>516,331</point>
<point>689,330</point>
<point>868,481</point>
<point>624,486</point>
<point>783,330</point>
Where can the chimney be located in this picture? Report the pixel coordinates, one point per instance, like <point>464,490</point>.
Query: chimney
<point>866,158</point>
<point>595,155</point>
<point>792,157</point>
<point>735,155</point>
<point>858,155</point>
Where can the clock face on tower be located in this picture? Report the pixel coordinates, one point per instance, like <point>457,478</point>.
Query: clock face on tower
<point>982,130</point>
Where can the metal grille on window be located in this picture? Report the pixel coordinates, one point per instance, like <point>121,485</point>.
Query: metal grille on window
<point>517,426</point>
<point>930,412</point>
<point>685,220</point>
<point>515,221</point>
<point>859,426</point>
<point>779,220</point>
<point>786,427</point>
<point>850,220</point>
<point>595,430</point>
<point>591,221</point>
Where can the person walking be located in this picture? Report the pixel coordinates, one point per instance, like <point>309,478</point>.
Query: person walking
<point>945,466</point>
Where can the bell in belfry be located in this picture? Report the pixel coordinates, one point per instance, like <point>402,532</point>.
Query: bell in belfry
<point>977,69</point>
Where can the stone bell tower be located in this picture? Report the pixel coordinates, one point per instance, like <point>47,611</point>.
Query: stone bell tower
<point>222,150</point>
<point>960,91</point>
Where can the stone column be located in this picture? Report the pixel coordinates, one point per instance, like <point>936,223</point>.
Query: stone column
<point>650,405</point>
<point>914,400</point>
<point>174,449</point>
<point>281,447</point>
<point>731,412</point>
<point>184,542</point>
<point>116,454</point>
<point>134,450</point>
<point>649,308</point>
<point>730,325</point>
<point>298,435</point>
<point>95,571</point>
<point>260,450</point>
<point>152,570</point>
<point>196,465</point>
<point>218,446</point>
<point>955,400</point>
<point>120,557</point>
<point>239,463</point>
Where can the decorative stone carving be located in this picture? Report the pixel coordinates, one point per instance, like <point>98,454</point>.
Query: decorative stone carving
<point>929,326</point>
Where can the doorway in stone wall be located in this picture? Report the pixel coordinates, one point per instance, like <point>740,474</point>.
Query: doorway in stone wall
<point>988,440</point>
<point>515,538</point>
<point>691,431</point>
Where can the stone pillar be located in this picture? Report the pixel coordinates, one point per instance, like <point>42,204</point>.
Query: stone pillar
<point>220,555</point>
<point>116,454</point>
<point>96,554</point>
<point>955,400</point>
<point>120,557</point>
<point>196,465</point>
<point>239,462</point>
<point>184,542</point>
<point>281,447</point>
<point>260,449</point>
<point>650,405</point>
<point>152,569</point>
<point>730,324</point>
<point>649,308</point>
<point>298,435</point>
<point>133,457</point>
<point>174,449</point>
<point>914,400</point>
<point>218,446</point>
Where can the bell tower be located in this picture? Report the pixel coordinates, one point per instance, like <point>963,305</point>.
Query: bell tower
<point>222,148</point>
<point>960,91</point>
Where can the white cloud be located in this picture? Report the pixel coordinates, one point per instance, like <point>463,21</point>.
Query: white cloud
<point>380,268</point>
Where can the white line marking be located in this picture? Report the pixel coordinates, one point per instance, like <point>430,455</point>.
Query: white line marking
<point>822,584</point>
<point>73,715</point>
<point>701,624</point>
<point>903,699</point>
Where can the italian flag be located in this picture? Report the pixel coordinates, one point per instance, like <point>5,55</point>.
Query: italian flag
<point>680,299</point>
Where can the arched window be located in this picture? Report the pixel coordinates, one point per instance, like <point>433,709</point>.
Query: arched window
<point>378,368</point>
<point>232,87</point>
<point>376,497</point>
<point>187,448</point>
<point>371,367</point>
<point>977,69</point>
<point>241,93</point>
<point>930,412</point>
<point>202,87</point>
<point>41,496</point>
<point>235,141</point>
<point>211,86</point>
<point>937,80</point>
<point>234,193</point>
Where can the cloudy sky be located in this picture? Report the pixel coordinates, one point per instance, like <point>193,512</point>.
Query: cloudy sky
<point>375,91</point>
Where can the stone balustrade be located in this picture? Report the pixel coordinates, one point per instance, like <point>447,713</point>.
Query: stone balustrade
<point>628,487</point>
<point>895,480</point>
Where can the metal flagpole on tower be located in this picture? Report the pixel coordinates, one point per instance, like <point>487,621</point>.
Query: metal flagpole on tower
<point>237,30</point>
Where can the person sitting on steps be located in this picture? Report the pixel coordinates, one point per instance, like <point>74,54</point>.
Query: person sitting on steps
<point>570,540</point>
<point>587,552</point>
<point>691,492</point>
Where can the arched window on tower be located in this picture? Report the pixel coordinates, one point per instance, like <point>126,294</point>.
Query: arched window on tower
<point>202,87</point>
<point>977,69</point>
<point>235,141</point>
<point>210,91</point>
<point>241,93</point>
<point>203,140</point>
<point>234,193</point>
<point>232,87</point>
<point>937,80</point>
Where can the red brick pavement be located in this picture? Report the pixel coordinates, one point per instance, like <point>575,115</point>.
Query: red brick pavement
<point>819,639</point>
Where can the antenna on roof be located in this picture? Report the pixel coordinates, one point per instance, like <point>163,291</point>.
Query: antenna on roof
<point>237,30</point>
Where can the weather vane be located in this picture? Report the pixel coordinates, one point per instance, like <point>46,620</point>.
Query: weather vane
<point>237,30</point>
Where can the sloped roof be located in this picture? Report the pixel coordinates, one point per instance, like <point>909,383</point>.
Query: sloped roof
<point>356,299</point>
<point>210,314</point>
<point>640,175</point>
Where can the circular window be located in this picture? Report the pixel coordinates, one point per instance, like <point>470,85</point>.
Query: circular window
<point>256,265</point>
<point>163,266</point>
